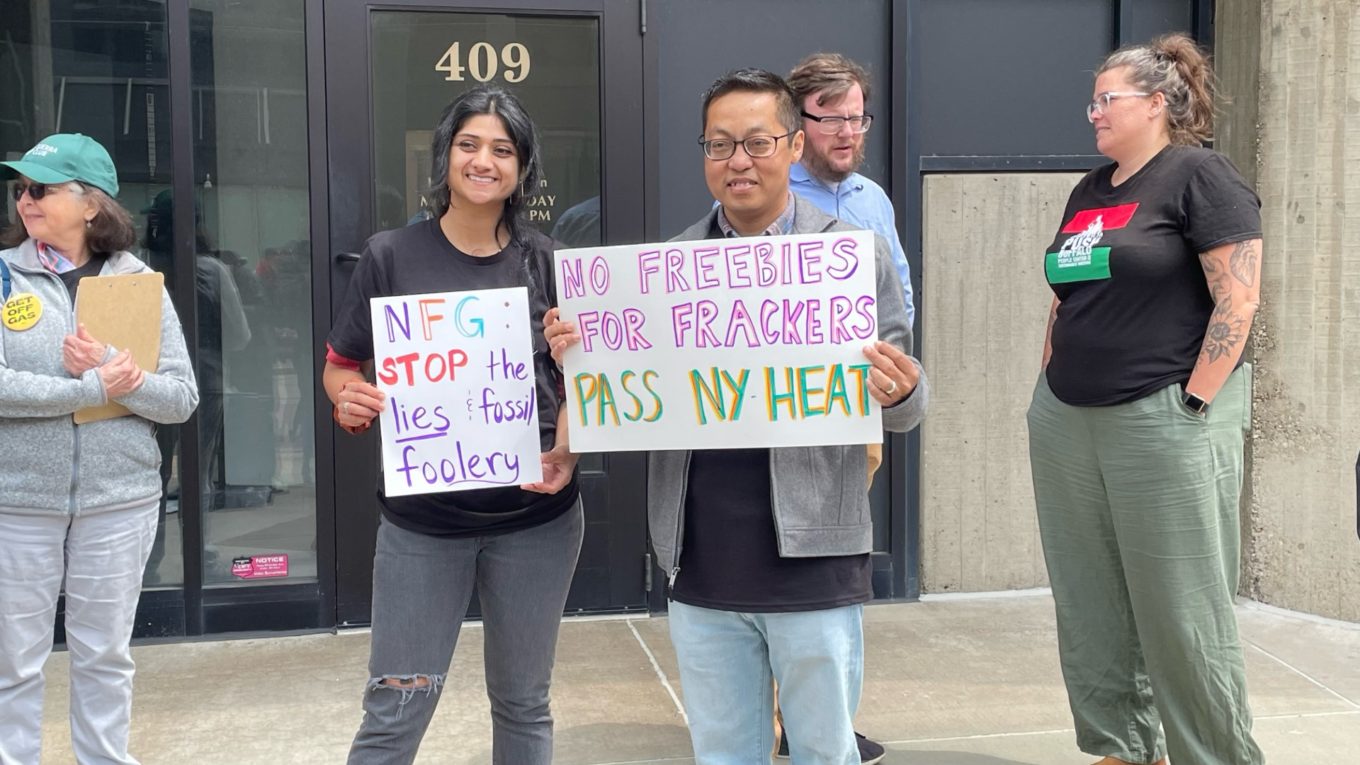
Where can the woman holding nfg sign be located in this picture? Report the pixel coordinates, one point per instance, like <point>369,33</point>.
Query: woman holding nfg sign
<point>518,545</point>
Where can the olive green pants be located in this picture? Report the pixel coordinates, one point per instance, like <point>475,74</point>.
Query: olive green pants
<point>1138,516</point>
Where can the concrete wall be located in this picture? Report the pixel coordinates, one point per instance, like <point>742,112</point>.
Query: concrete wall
<point>1292,70</point>
<point>984,313</point>
<point>1297,63</point>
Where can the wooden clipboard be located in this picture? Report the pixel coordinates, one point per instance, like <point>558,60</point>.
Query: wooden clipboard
<point>123,311</point>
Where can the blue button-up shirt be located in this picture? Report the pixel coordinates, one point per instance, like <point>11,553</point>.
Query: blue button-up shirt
<point>859,202</point>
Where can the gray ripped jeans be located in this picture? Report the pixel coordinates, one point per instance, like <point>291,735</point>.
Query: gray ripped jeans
<point>421,589</point>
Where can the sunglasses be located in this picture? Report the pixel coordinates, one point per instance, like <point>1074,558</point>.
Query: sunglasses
<point>36,191</point>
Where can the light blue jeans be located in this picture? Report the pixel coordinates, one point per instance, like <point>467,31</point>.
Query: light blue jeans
<point>728,660</point>
<point>100,558</point>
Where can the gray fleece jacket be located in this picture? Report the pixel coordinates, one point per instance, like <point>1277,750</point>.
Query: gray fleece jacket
<point>50,465</point>
<point>818,495</point>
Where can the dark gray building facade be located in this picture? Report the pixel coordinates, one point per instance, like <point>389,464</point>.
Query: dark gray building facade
<point>262,141</point>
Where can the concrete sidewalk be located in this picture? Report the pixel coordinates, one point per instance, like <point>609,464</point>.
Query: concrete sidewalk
<point>969,681</point>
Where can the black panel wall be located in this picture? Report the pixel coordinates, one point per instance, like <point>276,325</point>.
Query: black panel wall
<point>698,40</point>
<point>998,77</point>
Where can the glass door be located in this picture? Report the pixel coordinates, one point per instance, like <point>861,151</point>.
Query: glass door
<point>391,70</point>
<point>202,106</point>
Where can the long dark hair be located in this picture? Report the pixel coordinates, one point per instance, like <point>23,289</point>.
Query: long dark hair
<point>502,104</point>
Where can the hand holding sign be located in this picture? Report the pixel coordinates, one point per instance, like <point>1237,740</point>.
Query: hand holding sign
<point>894,375</point>
<point>559,333</point>
<point>461,399</point>
<point>724,344</point>
<point>359,402</point>
<point>558,466</point>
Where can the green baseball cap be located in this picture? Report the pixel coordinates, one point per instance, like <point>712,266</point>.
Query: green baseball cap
<point>67,157</point>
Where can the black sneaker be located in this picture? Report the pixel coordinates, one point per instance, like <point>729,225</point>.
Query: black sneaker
<point>870,752</point>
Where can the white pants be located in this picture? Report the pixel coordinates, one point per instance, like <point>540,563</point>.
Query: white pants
<point>101,557</point>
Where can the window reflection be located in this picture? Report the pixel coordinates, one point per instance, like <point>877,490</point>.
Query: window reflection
<point>253,274</point>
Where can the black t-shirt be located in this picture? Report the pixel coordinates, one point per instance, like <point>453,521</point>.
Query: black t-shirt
<point>1134,303</point>
<point>729,555</point>
<point>419,259</point>
<point>72,278</point>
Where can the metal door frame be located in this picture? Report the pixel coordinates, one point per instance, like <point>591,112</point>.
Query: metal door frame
<point>343,206</point>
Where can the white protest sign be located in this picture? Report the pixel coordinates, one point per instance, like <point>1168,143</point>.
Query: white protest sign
<point>462,408</point>
<point>721,343</point>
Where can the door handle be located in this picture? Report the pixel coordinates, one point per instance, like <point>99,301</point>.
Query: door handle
<point>347,257</point>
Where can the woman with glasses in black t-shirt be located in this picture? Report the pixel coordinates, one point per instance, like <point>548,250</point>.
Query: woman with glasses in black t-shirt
<point>518,545</point>
<point>1137,423</point>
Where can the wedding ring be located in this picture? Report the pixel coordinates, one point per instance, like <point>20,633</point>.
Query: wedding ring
<point>344,408</point>
<point>892,387</point>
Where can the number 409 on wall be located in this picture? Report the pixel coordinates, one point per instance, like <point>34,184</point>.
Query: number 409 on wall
<point>482,62</point>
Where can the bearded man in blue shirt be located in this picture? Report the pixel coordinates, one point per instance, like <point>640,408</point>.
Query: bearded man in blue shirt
<point>831,91</point>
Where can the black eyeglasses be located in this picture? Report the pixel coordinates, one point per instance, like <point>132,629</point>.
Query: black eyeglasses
<point>832,124</point>
<point>755,146</point>
<point>35,191</point>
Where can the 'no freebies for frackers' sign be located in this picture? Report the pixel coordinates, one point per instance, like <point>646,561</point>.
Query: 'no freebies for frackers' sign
<point>722,343</point>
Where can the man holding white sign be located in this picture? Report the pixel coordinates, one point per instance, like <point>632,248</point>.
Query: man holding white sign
<point>768,548</point>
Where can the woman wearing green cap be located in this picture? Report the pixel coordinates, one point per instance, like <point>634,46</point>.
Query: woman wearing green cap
<point>78,503</point>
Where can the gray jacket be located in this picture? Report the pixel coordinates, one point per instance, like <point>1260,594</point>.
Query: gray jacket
<point>818,495</point>
<point>50,465</point>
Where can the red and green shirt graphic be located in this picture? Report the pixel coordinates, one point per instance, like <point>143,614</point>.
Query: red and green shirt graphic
<point>1079,259</point>
<point>1133,301</point>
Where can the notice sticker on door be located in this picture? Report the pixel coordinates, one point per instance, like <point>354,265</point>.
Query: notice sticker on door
<point>260,567</point>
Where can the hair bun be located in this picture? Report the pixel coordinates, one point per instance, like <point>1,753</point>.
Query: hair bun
<point>1178,47</point>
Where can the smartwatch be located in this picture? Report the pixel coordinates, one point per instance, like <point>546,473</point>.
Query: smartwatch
<point>1195,403</point>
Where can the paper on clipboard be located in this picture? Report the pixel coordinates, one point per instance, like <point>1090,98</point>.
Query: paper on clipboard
<point>123,311</point>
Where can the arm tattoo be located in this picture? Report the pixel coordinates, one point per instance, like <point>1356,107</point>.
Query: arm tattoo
<point>1243,262</point>
<point>1226,332</point>
<point>1217,278</point>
